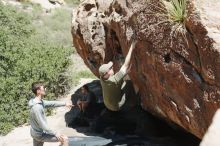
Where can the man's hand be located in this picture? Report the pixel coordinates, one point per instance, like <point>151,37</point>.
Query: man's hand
<point>126,64</point>
<point>69,105</point>
<point>59,137</point>
<point>134,42</point>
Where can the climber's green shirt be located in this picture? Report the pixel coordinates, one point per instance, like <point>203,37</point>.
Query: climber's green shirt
<point>112,93</point>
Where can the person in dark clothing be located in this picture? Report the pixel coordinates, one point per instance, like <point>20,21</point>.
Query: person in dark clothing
<point>87,102</point>
<point>86,99</point>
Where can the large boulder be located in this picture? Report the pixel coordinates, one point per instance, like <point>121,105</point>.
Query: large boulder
<point>176,65</point>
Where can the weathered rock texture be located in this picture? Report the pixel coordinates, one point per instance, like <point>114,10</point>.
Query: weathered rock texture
<point>177,75</point>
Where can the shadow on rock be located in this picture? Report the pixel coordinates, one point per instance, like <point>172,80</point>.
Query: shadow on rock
<point>126,127</point>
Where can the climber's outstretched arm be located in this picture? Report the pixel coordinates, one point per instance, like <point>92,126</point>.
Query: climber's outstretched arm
<point>126,64</point>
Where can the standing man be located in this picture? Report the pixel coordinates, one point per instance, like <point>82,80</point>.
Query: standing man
<point>112,83</point>
<point>40,130</point>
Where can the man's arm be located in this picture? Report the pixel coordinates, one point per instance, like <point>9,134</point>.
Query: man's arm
<point>53,103</point>
<point>126,64</point>
<point>56,104</point>
<point>124,69</point>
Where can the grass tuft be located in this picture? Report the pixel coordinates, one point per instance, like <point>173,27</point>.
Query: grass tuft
<point>172,12</point>
<point>176,10</point>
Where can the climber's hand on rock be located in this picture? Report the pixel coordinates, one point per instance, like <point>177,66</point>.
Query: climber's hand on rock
<point>133,44</point>
<point>134,40</point>
<point>134,35</point>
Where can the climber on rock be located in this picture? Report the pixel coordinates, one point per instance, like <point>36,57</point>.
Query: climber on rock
<point>111,83</point>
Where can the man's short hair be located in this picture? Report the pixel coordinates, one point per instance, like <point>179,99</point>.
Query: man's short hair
<point>36,86</point>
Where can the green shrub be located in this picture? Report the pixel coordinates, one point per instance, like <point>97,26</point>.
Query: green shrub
<point>72,2</point>
<point>23,0</point>
<point>82,74</point>
<point>176,10</point>
<point>56,27</point>
<point>25,57</point>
